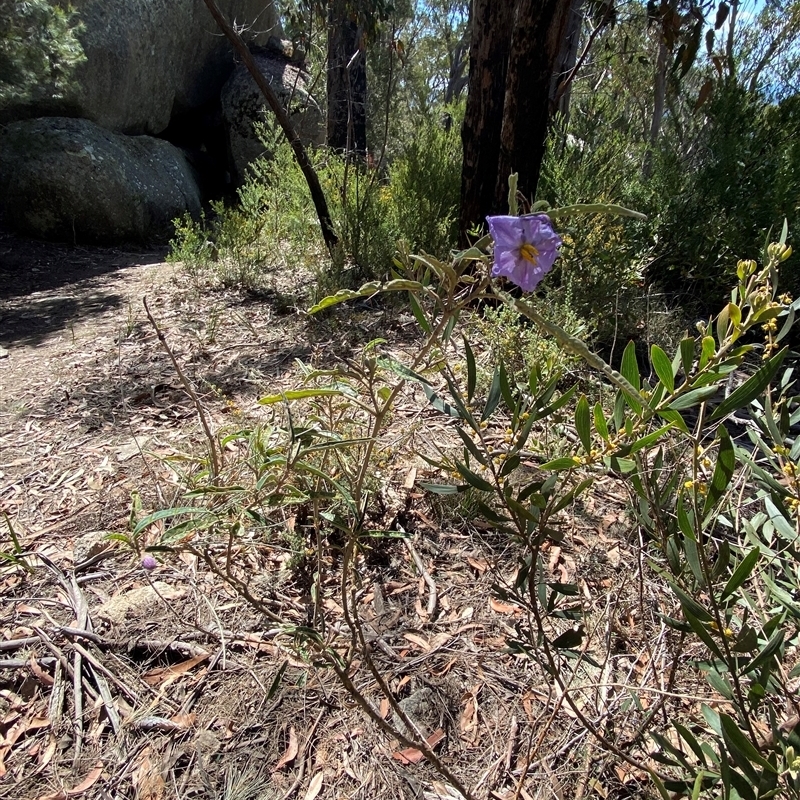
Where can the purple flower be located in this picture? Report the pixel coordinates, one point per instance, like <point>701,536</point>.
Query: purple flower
<point>148,563</point>
<point>524,248</point>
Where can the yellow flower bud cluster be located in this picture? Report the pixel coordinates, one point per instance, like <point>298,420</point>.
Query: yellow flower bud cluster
<point>746,268</point>
<point>700,486</point>
<point>780,252</point>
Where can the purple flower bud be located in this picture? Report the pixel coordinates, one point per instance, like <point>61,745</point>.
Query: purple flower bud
<point>525,248</point>
<point>148,562</point>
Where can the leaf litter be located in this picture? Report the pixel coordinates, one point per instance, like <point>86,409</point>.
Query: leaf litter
<point>171,697</point>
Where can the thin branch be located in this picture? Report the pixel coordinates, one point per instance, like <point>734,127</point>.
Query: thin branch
<point>187,384</point>
<point>317,195</point>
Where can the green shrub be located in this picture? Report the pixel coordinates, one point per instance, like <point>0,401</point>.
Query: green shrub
<point>716,206</point>
<point>522,347</point>
<point>39,50</point>
<point>274,224</point>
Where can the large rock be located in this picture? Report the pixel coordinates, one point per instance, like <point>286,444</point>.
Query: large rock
<point>69,179</point>
<point>243,106</point>
<point>148,59</point>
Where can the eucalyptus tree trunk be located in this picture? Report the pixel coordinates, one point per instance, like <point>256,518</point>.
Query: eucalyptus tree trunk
<point>347,82</point>
<point>515,45</point>
<point>566,61</point>
<point>490,26</point>
<point>526,110</point>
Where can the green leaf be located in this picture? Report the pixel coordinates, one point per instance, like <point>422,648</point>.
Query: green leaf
<point>719,684</point>
<point>472,479</point>
<point>692,398</point>
<point>723,470</point>
<point>471,370</point>
<point>630,366</point>
<point>663,367</point>
<point>576,491</point>
<point>442,488</point>
<point>689,603</point>
<point>702,632</point>
<point>299,394</point>
<point>687,355</point>
<point>751,388</point>
<point>768,652</point>
<point>731,732</point>
<point>650,439</point>
<point>367,290</point>
<point>595,208</point>
<point>693,557</point>
<point>505,388</point>
<point>558,464</point>
<point>600,424</point>
<point>741,573</point>
<point>472,447</point>
<point>439,404</point>
<point>489,514</point>
<point>419,314</point>
<point>675,418</point>
<point>493,400</point>
<point>276,681</point>
<point>685,523</point>
<point>583,423</point>
<point>707,349</point>
<point>569,640</point>
<point>690,739</point>
<point>166,513</point>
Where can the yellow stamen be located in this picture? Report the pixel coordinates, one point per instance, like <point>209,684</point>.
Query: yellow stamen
<point>529,253</point>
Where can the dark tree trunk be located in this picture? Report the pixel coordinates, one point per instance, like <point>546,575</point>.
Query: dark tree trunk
<point>567,58</point>
<point>540,27</point>
<point>347,82</point>
<point>490,26</point>
<point>515,45</point>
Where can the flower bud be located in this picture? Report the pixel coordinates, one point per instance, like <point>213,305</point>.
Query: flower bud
<point>746,268</point>
<point>149,563</point>
<point>778,251</point>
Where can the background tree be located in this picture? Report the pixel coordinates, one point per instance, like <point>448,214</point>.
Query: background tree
<point>346,80</point>
<point>513,55</point>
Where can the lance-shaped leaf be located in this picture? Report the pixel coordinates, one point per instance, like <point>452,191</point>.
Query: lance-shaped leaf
<point>472,479</point>
<point>367,290</point>
<point>662,367</point>
<point>595,208</point>
<point>300,394</point>
<point>751,388</point>
<point>723,470</point>
<point>583,423</point>
<point>471,370</point>
<point>741,573</point>
<point>600,424</point>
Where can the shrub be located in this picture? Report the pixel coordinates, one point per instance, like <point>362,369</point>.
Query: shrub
<point>274,223</point>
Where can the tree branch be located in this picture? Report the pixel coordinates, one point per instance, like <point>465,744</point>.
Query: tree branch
<point>317,195</point>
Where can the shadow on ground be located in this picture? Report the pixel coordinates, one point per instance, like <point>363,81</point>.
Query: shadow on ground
<point>46,287</point>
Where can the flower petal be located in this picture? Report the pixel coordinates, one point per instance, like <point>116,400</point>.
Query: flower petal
<point>506,231</point>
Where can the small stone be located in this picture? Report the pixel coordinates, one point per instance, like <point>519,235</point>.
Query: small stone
<point>137,603</point>
<point>90,544</point>
<point>3,352</point>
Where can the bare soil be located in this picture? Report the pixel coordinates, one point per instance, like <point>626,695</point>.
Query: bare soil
<point>119,683</point>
